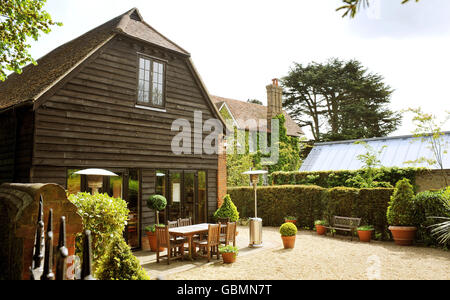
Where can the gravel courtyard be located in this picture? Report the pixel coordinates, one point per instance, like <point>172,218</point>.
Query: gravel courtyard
<point>314,257</point>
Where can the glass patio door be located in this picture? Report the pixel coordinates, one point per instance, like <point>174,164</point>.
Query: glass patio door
<point>126,186</point>
<point>186,195</point>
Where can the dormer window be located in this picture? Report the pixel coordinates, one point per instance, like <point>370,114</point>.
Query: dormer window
<point>151,82</point>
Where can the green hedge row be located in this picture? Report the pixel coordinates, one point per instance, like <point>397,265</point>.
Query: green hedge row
<point>329,179</point>
<point>309,203</point>
<point>429,205</point>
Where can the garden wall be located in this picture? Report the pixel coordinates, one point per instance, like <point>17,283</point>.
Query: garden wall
<point>309,203</point>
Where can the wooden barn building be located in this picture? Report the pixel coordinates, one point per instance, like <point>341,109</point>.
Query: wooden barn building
<point>107,99</point>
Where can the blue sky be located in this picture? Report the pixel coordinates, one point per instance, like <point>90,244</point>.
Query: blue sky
<point>239,46</point>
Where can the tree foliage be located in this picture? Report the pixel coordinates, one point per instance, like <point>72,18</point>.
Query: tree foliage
<point>288,160</point>
<point>119,263</point>
<point>429,129</point>
<point>19,21</point>
<point>370,175</point>
<point>339,100</point>
<point>351,7</point>
<point>105,216</point>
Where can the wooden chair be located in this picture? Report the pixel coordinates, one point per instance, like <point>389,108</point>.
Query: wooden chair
<point>230,234</point>
<point>172,224</point>
<point>223,229</point>
<point>211,244</point>
<point>184,222</point>
<point>175,248</point>
<point>223,220</point>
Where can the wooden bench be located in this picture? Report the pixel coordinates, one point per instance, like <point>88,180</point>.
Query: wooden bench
<point>344,224</point>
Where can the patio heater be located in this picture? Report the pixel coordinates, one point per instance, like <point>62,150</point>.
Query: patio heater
<point>95,178</point>
<point>255,224</point>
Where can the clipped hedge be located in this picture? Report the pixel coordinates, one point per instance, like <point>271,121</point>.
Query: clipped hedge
<point>428,205</point>
<point>330,179</point>
<point>309,203</point>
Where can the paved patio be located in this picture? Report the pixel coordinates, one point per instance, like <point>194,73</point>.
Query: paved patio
<point>314,257</point>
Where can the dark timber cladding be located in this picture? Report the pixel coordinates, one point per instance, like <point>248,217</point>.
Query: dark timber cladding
<point>86,115</point>
<point>92,120</point>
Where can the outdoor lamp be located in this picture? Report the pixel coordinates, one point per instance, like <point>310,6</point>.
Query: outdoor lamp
<point>95,178</point>
<point>255,223</point>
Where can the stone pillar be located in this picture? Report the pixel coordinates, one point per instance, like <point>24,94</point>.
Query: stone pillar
<point>274,101</point>
<point>19,204</point>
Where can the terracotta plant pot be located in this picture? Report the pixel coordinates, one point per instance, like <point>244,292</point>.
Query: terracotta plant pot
<point>403,235</point>
<point>290,221</point>
<point>365,235</point>
<point>288,241</point>
<point>153,242</point>
<point>321,230</point>
<point>229,257</point>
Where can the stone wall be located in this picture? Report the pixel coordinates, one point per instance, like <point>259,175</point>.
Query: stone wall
<point>19,204</point>
<point>432,180</point>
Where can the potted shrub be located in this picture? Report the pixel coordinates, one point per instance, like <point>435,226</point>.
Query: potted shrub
<point>365,233</point>
<point>228,253</point>
<point>320,226</point>
<point>290,219</point>
<point>150,231</point>
<point>400,213</point>
<point>227,210</point>
<point>288,232</point>
<point>157,203</point>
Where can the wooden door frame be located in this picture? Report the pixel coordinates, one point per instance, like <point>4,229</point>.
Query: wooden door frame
<point>182,196</point>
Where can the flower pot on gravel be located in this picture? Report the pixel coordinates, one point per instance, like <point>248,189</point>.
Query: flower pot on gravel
<point>288,233</point>
<point>400,213</point>
<point>228,253</point>
<point>365,233</point>
<point>321,230</point>
<point>292,220</point>
<point>320,226</point>
<point>288,242</point>
<point>403,235</point>
<point>228,258</point>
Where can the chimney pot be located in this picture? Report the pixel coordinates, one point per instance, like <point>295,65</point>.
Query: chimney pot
<point>274,101</point>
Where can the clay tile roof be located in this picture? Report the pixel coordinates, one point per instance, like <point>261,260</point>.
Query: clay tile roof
<point>35,80</point>
<point>242,111</point>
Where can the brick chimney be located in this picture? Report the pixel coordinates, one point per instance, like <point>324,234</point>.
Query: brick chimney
<point>274,100</point>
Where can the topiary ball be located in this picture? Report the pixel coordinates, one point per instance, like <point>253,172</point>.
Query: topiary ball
<point>288,229</point>
<point>157,202</point>
<point>227,210</point>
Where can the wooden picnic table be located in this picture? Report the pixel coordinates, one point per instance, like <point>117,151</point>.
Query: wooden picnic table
<point>189,232</point>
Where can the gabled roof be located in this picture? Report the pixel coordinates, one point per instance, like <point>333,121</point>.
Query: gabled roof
<point>343,155</point>
<point>242,111</point>
<point>51,68</point>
